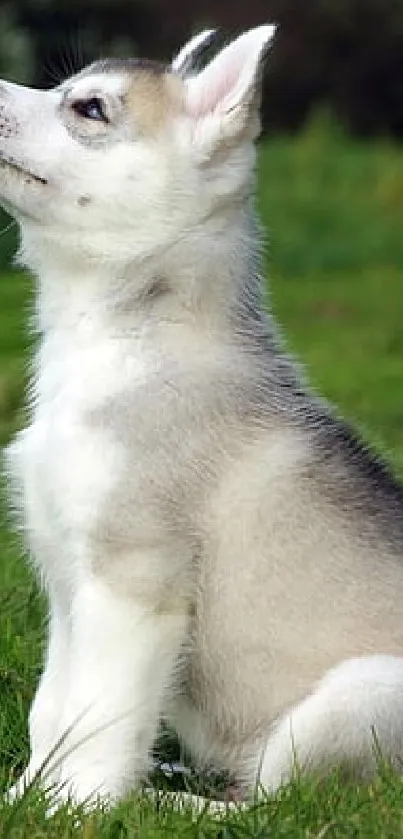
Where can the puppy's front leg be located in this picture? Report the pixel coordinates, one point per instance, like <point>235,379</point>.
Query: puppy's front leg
<point>122,657</point>
<point>48,703</point>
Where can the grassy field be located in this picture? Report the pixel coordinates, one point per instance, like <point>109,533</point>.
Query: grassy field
<point>334,214</point>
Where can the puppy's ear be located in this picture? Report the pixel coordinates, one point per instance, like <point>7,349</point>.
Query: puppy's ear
<point>189,55</point>
<point>224,98</point>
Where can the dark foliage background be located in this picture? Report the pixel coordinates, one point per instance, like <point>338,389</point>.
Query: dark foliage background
<point>346,54</point>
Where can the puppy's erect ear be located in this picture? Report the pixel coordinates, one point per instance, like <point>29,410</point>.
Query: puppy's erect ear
<point>189,55</point>
<point>224,98</point>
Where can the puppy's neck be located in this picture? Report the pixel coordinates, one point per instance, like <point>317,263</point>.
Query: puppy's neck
<point>199,281</point>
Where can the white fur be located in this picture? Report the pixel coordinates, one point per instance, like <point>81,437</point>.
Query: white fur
<point>226,83</point>
<point>191,568</point>
<point>352,718</point>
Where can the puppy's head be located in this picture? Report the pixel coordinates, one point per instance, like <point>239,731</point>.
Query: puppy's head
<point>125,157</point>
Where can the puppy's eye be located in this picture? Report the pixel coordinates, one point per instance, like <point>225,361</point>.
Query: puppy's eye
<point>93,108</point>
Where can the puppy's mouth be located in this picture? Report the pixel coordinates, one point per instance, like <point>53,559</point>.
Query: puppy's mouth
<point>23,170</point>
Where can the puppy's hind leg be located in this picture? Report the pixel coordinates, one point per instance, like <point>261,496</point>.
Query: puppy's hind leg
<point>357,706</point>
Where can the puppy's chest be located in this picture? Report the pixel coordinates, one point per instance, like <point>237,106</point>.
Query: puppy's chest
<point>62,467</point>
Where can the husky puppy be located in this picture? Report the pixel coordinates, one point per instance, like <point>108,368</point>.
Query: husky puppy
<point>217,547</point>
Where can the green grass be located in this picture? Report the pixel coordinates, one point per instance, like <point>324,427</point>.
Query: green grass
<point>334,211</point>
